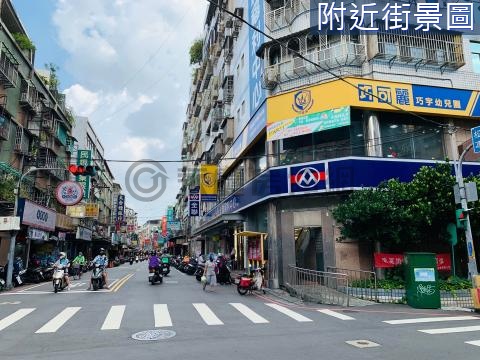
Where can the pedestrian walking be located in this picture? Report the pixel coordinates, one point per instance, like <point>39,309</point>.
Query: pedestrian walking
<point>210,272</point>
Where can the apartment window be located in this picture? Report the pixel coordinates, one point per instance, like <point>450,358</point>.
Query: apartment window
<point>475,46</point>
<point>243,107</point>
<point>238,70</point>
<point>242,61</point>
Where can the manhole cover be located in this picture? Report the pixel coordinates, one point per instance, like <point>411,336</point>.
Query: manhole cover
<point>362,343</point>
<point>153,335</point>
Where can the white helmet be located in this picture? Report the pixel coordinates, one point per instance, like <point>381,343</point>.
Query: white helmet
<point>62,254</point>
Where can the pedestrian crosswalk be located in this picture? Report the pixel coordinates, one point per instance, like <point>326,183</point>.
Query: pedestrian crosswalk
<point>264,313</point>
<point>443,330</point>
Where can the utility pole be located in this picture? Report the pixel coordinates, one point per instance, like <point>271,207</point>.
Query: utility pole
<point>13,233</point>
<point>457,165</point>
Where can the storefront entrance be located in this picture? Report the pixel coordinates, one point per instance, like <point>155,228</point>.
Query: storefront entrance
<point>309,248</point>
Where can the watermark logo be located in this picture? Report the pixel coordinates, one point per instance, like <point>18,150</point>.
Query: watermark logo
<point>158,180</point>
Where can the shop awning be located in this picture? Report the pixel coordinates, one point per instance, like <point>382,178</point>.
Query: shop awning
<point>219,222</point>
<point>250,233</point>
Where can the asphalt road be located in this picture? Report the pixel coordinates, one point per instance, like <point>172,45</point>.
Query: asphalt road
<point>35,323</point>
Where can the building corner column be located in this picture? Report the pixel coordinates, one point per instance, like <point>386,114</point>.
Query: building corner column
<point>273,246</point>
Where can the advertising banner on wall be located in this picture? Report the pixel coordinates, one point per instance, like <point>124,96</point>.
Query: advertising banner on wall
<point>84,158</point>
<point>372,94</point>
<point>308,124</point>
<point>208,182</point>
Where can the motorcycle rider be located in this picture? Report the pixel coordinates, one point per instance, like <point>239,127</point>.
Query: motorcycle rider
<point>153,262</point>
<point>64,263</point>
<point>78,264</point>
<point>102,260</point>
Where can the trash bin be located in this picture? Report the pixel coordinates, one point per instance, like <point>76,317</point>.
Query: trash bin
<point>421,280</point>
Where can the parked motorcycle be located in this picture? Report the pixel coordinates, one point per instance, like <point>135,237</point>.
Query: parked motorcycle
<point>249,283</point>
<point>98,282</point>
<point>34,275</point>
<point>199,273</point>
<point>191,267</point>
<point>2,278</point>
<point>59,282</point>
<point>155,275</point>
<point>136,259</point>
<point>131,260</point>
<point>47,272</point>
<point>224,276</point>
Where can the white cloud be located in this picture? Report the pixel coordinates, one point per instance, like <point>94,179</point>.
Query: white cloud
<point>129,62</point>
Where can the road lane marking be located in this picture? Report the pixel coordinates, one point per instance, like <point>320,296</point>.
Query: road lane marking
<point>430,319</point>
<point>31,287</point>
<point>207,314</point>
<point>335,314</point>
<point>294,315</point>
<point>249,314</point>
<point>114,318</point>
<point>162,316</point>
<point>13,318</point>
<point>121,282</point>
<point>475,343</point>
<point>451,330</point>
<point>11,303</point>
<point>58,321</point>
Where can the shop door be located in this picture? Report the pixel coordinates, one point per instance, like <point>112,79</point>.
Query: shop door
<point>309,248</point>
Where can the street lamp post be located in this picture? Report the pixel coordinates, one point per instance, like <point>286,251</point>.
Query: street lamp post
<point>472,262</point>
<point>13,234</point>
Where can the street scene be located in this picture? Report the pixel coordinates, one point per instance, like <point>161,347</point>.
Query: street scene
<point>239,178</point>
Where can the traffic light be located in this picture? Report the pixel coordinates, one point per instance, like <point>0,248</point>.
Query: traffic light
<point>461,216</point>
<point>80,170</point>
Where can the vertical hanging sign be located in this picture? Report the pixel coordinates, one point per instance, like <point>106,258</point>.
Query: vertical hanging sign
<point>164,226</point>
<point>120,210</point>
<point>84,158</point>
<point>194,202</point>
<point>256,17</point>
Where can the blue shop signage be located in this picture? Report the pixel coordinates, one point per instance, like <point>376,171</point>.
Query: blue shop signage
<point>308,177</point>
<point>351,173</point>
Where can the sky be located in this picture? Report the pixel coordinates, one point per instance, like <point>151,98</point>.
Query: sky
<point>125,65</point>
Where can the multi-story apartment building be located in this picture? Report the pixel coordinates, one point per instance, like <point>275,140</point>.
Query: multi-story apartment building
<point>100,187</point>
<point>149,234</point>
<point>398,101</point>
<point>35,131</point>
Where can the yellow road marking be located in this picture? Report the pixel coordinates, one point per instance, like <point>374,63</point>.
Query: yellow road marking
<point>116,282</point>
<point>122,282</point>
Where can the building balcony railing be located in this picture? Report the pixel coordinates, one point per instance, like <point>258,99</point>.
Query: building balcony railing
<point>29,101</point>
<point>342,54</point>
<point>283,16</point>
<point>8,68</point>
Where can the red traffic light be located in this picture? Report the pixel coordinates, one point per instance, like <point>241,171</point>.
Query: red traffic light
<point>80,170</point>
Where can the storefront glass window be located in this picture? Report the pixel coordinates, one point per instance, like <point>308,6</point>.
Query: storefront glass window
<point>404,138</point>
<point>322,145</point>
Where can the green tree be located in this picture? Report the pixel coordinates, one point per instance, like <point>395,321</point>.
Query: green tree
<point>196,52</point>
<point>402,216</point>
<point>53,82</point>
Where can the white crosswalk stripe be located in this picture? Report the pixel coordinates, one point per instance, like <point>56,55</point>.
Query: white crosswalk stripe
<point>249,314</point>
<point>115,315</point>
<point>162,316</point>
<point>336,314</point>
<point>430,319</point>
<point>207,314</point>
<point>290,313</point>
<point>114,318</point>
<point>13,318</point>
<point>475,343</point>
<point>451,330</point>
<point>58,321</point>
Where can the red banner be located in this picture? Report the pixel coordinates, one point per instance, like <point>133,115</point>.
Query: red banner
<point>382,260</point>
<point>444,262</point>
<point>164,226</point>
